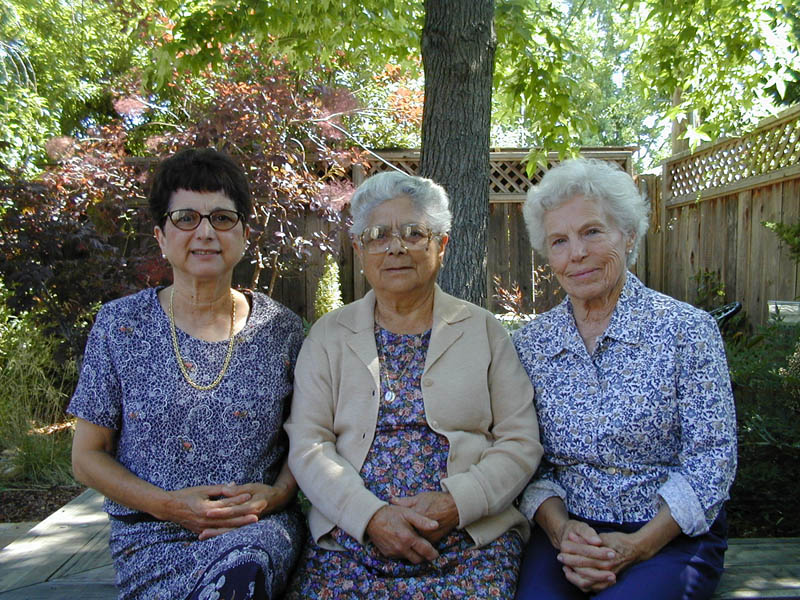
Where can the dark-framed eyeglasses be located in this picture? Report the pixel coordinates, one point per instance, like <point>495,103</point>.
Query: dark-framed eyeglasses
<point>412,236</point>
<point>188,219</point>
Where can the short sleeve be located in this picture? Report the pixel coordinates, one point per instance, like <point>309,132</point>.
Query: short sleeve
<point>98,396</point>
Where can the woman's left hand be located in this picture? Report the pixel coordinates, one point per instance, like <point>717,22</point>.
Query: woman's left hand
<point>438,506</point>
<point>628,549</point>
<point>584,572</point>
<point>264,499</point>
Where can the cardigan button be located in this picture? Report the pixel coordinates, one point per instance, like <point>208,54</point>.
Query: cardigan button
<point>427,382</point>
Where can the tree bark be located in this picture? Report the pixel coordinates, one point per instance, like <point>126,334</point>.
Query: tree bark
<point>458,45</point>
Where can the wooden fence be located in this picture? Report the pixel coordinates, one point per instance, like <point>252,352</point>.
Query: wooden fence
<point>706,215</point>
<point>708,209</point>
<point>509,255</point>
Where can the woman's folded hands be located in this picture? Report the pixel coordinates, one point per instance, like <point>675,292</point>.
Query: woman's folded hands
<point>211,510</point>
<point>409,526</point>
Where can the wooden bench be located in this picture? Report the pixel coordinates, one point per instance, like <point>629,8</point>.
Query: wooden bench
<point>66,556</point>
<point>761,568</point>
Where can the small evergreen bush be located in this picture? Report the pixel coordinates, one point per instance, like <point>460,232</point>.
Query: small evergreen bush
<point>328,295</point>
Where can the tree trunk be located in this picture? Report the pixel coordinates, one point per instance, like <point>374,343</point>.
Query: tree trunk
<point>458,44</point>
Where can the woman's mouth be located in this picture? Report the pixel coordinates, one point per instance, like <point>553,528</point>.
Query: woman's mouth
<point>582,274</point>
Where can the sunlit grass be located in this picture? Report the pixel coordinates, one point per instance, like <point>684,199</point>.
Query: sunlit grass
<point>35,436</point>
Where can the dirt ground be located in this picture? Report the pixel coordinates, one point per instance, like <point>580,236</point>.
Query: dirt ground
<point>18,505</point>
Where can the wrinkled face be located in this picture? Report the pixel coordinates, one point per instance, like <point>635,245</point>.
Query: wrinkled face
<point>586,250</point>
<point>204,252</point>
<point>400,270</point>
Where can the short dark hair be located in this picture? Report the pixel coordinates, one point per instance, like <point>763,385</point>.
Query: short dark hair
<point>198,170</point>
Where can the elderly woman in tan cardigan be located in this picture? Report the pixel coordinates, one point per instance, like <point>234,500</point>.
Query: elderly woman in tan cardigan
<point>412,428</point>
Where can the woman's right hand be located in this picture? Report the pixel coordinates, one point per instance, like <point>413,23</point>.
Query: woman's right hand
<point>587,562</point>
<point>190,508</point>
<point>395,532</point>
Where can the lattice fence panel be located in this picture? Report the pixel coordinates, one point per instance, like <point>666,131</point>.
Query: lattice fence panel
<point>771,147</point>
<point>407,165</point>
<point>508,177</point>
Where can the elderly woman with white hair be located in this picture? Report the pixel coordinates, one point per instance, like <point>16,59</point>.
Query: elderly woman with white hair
<point>412,427</point>
<point>635,408</point>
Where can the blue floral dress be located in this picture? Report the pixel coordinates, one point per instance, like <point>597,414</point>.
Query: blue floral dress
<point>175,436</point>
<point>406,457</point>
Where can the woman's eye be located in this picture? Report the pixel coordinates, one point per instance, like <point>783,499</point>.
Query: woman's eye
<point>185,218</point>
<point>374,234</point>
<point>414,233</point>
<point>221,218</point>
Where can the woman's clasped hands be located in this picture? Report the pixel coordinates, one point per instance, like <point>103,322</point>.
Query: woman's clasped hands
<point>211,510</point>
<point>409,526</point>
<point>591,560</point>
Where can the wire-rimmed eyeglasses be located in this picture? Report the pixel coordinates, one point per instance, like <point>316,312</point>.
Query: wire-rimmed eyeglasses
<point>412,236</point>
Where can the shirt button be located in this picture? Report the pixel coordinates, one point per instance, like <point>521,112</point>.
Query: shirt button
<point>611,470</point>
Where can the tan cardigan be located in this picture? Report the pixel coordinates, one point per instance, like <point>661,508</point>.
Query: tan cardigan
<point>476,394</point>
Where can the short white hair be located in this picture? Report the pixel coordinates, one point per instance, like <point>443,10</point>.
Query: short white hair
<point>602,181</point>
<point>427,197</point>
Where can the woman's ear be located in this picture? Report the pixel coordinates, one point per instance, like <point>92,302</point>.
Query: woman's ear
<point>443,239</point>
<point>631,242</point>
<point>158,233</point>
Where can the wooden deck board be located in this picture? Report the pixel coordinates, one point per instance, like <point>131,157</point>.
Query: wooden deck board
<point>66,556</point>
<point>12,531</point>
<point>71,540</point>
<point>761,568</point>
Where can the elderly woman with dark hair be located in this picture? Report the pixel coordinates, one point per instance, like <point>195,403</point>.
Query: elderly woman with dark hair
<point>181,401</point>
<point>634,400</point>
<point>412,427</point>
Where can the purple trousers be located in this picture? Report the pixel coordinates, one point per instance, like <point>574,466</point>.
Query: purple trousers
<point>688,568</point>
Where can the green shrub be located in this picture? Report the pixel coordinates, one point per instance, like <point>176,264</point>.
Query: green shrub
<point>328,295</point>
<point>35,439</point>
<point>765,490</point>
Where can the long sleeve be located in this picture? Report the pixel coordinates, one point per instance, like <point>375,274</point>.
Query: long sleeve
<point>502,470</point>
<point>331,482</point>
<point>707,460</point>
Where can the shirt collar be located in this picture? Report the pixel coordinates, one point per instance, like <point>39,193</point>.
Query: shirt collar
<point>625,325</point>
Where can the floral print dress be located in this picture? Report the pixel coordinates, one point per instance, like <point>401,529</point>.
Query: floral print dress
<point>175,436</point>
<point>406,458</point>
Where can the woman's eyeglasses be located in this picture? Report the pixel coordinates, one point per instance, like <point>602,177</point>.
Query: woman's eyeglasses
<point>412,236</point>
<point>187,219</point>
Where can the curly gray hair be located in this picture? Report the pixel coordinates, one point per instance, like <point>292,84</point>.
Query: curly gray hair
<point>427,197</point>
<point>602,181</point>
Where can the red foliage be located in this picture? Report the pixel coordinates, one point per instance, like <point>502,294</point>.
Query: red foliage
<point>80,236</point>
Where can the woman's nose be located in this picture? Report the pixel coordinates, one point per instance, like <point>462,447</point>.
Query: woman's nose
<point>398,248</point>
<point>577,250</point>
<point>204,229</point>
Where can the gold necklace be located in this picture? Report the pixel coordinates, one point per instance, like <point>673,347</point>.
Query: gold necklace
<point>177,350</point>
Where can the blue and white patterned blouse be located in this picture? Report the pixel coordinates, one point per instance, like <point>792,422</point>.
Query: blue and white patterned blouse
<point>647,418</point>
